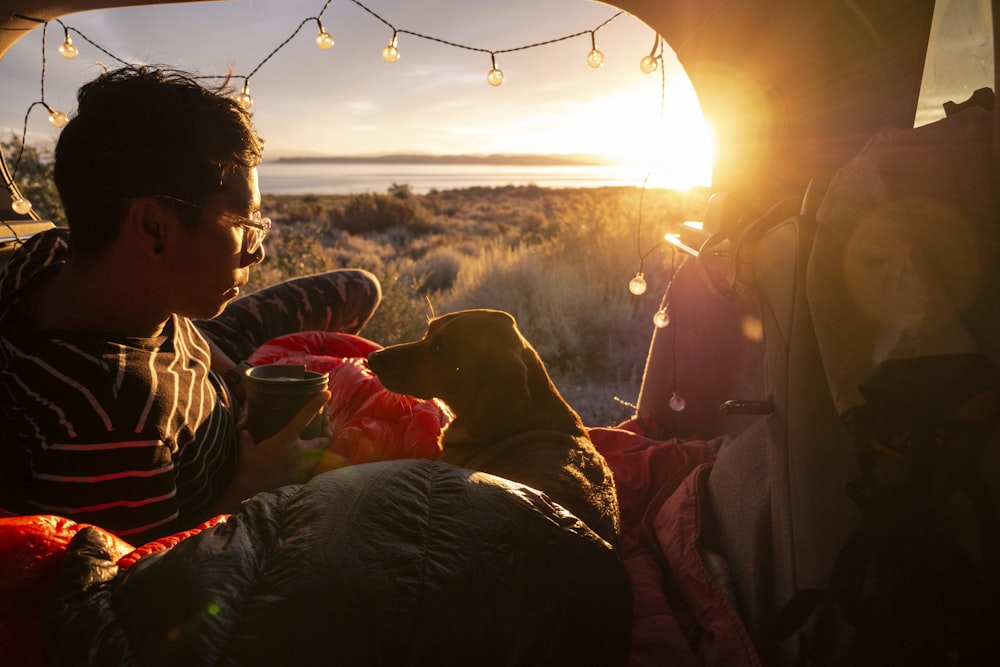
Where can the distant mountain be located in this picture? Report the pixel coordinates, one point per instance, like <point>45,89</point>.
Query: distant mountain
<point>494,159</point>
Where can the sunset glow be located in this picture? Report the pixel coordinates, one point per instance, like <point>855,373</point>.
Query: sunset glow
<point>345,99</point>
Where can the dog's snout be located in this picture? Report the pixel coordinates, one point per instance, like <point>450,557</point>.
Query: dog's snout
<point>375,360</point>
<point>380,363</point>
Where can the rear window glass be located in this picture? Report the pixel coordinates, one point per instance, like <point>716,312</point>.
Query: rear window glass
<point>959,56</point>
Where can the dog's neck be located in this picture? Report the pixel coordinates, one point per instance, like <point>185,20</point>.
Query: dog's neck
<point>547,410</point>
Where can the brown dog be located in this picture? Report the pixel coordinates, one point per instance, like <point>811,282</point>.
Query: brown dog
<point>510,420</point>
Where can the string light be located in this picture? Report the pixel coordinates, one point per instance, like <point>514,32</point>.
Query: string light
<point>68,49</point>
<point>637,285</point>
<point>677,402</point>
<point>20,205</point>
<point>57,118</point>
<point>390,53</point>
<point>651,61</point>
<point>243,98</point>
<point>495,75</point>
<point>323,40</point>
<point>595,58</point>
<point>661,318</point>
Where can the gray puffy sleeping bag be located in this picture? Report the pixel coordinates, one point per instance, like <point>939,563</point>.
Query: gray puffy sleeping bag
<point>407,562</point>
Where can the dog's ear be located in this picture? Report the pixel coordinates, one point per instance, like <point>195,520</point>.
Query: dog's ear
<point>502,403</point>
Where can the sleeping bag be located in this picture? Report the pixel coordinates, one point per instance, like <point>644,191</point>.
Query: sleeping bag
<point>406,562</point>
<point>370,423</point>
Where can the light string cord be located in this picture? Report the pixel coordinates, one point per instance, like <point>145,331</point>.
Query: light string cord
<point>479,49</point>
<point>9,176</point>
<point>402,31</point>
<point>657,46</point>
<point>274,51</point>
<point>17,201</point>
<point>638,284</point>
<point>68,29</point>
<point>676,402</point>
<point>638,226</point>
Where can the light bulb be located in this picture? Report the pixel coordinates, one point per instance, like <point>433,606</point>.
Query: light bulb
<point>637,285</point>
<point>324,40</point>
<point>390,53</point>
<point>68,49</point>
<point>595,59</point>
<point>243,98</point>
<point>20,205</point>
<point>677,402</point>
<point>495,77</point>
<point>58,118</point>
<point>661,318</point>
<point>648,64</point>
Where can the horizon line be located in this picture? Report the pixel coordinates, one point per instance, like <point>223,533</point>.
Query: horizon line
<point>554,159</point>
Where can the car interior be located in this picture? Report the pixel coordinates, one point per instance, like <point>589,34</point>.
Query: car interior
<point>834,326</point>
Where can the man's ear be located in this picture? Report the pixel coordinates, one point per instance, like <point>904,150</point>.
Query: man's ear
<point>145,222</point>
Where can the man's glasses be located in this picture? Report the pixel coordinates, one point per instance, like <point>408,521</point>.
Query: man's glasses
<point>255,228</point>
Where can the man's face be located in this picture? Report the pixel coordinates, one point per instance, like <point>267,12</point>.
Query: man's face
<point>210,263</point>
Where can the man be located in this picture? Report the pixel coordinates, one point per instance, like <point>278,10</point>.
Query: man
<point>113,405</point>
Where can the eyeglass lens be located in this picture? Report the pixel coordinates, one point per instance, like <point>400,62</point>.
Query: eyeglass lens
<point>253,236</point>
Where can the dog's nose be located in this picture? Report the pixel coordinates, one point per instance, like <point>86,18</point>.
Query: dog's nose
<point>377,363</point>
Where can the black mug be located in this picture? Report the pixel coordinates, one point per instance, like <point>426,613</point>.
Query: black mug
<point>274,395</point>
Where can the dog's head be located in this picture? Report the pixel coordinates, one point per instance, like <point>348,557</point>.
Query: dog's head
<point>476,361</point>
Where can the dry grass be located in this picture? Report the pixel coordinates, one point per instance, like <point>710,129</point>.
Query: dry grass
<point>558,260</point>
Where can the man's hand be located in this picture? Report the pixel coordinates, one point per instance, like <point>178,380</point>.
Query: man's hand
<point>282,459</point>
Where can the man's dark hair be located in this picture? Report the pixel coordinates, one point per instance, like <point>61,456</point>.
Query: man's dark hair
<point>141,131</point>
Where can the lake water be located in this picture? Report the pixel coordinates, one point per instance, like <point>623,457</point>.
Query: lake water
<point>340,178</point>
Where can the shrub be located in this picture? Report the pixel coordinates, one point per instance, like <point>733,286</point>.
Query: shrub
<point>440,269</point>
<point>370,212</point>
<point>33,176</point>
<point>403,314</point>
<point>558,260</point>
<point>401,190</point>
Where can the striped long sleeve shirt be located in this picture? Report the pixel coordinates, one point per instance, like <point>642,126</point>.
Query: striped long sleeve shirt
<point>136,435</point>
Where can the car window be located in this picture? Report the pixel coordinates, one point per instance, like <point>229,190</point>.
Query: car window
<point>959,56</point>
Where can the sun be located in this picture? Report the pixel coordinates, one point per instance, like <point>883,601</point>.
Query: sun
<point>684,157</point>
<point>666,146</point>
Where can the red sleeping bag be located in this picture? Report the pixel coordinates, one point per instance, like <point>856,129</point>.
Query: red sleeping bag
<point>31,549</point>
<point>369,422</point>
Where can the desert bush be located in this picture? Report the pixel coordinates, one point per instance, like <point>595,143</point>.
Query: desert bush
<point>577,314</point>
<point>373,212</point>
<point>440,269</point>
<point>558,260</point>
<point>401,190</point>
<point>292,250</point>
<point>403,314</point>
<point>33,175</point>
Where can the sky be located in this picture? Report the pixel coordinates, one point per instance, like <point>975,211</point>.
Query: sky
<point>435,99</point>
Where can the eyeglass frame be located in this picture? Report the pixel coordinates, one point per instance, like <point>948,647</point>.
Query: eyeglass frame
<point>260,223</point>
